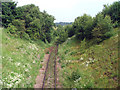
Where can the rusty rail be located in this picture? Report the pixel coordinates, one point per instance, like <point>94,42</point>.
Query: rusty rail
<point>52,56</point>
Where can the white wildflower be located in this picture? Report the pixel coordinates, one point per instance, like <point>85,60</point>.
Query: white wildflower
<point>29,66</point>
<point>9,85</point>
<point>24,66</point>
<point>83,63</point>
<point>87,64</point>
<point>33,46</point>
<point>78,79</point>
<point>10,59</point>
<point>81,58</point>
<point>116,35</point>
<point>34,61</point>
<point>0,57</point>
<point>17,82</point>
<point>26,70</point>
<point>1,82</point>
<point>17,64</point>
<point>90,58</point>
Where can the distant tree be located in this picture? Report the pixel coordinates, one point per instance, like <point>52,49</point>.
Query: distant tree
<point>70,30</point>
<point>62,35</point>
<point>48,23</point>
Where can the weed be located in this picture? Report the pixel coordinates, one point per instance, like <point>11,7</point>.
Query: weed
<point>97,65</point>
<point>20,61</point>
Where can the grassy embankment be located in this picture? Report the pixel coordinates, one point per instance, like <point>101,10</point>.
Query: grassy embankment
<point>21,61</point>
<point>89,66</point>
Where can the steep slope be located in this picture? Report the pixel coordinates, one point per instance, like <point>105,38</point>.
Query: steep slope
<point>21,61</point>
<point>85,66</point>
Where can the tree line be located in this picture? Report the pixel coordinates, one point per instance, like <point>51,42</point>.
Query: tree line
<point>30,23</point>
<point>98,28</point>
<point>27,21</point>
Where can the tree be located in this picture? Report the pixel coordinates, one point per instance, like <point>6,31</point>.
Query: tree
<point>83,26</point>
<point>38,24</point>
<point>61,35</point>
<point>8,12</point>
<point>70,30</point>
<point>102,26</point>
<point>113,11</point>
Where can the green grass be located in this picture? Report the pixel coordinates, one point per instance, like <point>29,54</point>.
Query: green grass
<point>0,56</point>
<point>86,65</point>
<point>21,61</point>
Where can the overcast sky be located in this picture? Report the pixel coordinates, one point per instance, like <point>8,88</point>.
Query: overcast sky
<point>68,10</point>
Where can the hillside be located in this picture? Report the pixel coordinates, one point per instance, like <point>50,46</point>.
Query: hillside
<point>21,61</point>
<point>63,23</point>
<point>89,66</point>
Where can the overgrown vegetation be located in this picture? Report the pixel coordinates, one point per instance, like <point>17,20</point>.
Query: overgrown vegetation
<point>88,48</point>
<point>27,21</point>
<point>98,27</point>
<point>21,61</point>
<point>89,66</point>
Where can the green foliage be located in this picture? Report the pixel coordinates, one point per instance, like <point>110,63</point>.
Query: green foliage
<point>17,29</point>
<point>113,11</point>
<point>8,12</point>
<point>94,65</point>
<point>62,35</point>
<point>103,25</point>
<point>83,26</point>
<point>70,30</point>
<point>74,76</point>
<point>21,61</point>
<point>29,20</point>
<point>11,29</point>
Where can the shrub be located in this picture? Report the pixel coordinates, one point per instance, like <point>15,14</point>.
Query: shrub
<point>20,25</point>
<point>103,25</point>
<point>26,36</point>
<point>70,30</point>
<point>74,76</point>
<point>11,29</point>
<point>62,35</point>
<point>83,26</point>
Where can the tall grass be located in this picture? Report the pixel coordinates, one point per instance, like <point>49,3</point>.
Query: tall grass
<point>21,61</point>
<point>87,65</point>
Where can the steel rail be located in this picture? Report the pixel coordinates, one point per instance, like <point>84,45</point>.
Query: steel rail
<point>54,50</point>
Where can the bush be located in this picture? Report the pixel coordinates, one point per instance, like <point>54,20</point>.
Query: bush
<point>11,29</point>
<point>83,26</point>
<point>26,36</point>
<point>17,29</point>
<point>74,76</point>
<point>20,25</point>
<point>62,35</point>
<point>70,30</point>
<point>103,25</point>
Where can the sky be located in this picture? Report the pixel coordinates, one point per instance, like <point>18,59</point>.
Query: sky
<point>68,10</point>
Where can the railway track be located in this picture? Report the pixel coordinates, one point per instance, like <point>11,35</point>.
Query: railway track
<point>50,76</point>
